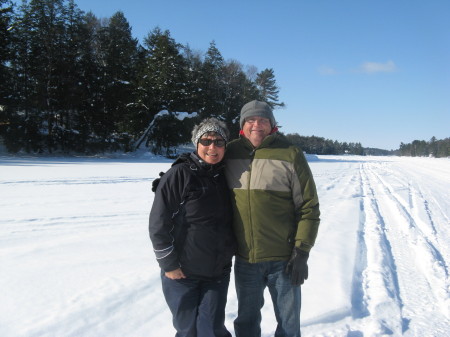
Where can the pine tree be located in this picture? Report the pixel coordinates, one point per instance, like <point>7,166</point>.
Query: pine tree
<point>84,97</point>
<point>163,83</point>
<point>194,91</point>
<point>238,90</point>
<point>266,83</point>
<point>118,55</point>
<point>39,42</point>
<point>6,11</point>
<point>69,71</point>
<point>212,83</point>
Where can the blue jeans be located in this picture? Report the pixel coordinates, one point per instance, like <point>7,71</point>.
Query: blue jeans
<point>251,279</point>
<point>197,306</point>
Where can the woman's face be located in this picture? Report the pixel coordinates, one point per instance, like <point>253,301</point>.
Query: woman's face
<point>211,153</point>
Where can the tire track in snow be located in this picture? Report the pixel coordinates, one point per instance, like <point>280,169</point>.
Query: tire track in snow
<point>380,288</point>
<point>114,299</point>
<point>423,207</point>
<point>359,307</point>
<point>78,181</point>
<point>438,236</point>
<point>427,267</point>
<point>376,304</point>
<point>336,181</point>
<point>416,226</point>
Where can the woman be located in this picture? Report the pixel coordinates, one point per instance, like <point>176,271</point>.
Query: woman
<point>190,229</point>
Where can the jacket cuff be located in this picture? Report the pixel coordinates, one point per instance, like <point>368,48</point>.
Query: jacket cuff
<point>169,263</point>
<point>303,246</point>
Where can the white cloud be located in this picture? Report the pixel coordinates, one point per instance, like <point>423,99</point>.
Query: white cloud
<point>326,70</point>
<point>375,67</point>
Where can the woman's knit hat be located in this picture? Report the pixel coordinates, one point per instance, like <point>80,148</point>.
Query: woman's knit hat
<point>257,109</point>
<point>210,125</point>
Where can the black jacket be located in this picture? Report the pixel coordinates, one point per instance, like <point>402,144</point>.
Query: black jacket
<point>190,220</point>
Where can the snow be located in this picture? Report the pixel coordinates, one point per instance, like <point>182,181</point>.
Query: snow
<point>76,260</point>
<point>178,115</point>
<point>181,116</point>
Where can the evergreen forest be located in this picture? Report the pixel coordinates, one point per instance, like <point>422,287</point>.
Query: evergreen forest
<point>71,82</point>
<point>420,148</point>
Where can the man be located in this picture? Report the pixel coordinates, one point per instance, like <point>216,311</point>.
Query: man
<point>276,219</point>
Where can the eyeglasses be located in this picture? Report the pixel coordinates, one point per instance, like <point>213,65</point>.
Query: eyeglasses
<point>208,142</point>
<point>253,120</point>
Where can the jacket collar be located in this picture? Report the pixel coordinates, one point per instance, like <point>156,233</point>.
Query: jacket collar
<point>197,163</point>
<point>265,143</point>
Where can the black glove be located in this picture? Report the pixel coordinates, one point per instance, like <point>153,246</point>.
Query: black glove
<point>156,181</point>
<point>297,268</point>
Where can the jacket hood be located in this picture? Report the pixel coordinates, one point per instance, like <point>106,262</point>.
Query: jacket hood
<point>183,158</point>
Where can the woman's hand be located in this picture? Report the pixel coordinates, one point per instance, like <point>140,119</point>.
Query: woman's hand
<point>175,274</point>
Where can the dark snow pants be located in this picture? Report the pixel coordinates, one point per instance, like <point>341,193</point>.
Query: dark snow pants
<point>197,306</point>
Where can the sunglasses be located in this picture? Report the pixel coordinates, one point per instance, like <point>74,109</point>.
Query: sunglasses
<point>208,142</point>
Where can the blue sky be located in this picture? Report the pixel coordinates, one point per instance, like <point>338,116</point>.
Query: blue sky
<point>369,71</point>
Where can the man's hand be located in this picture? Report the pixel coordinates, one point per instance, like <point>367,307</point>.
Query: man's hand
<point>297,267</point>
<point>175,274</point>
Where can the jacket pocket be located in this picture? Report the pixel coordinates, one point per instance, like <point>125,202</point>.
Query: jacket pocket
<point>199,252</point>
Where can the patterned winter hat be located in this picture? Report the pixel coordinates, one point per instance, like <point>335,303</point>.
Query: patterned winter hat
<point>210,125</point>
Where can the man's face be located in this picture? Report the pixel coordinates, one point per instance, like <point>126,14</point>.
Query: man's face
<point>256,129</point>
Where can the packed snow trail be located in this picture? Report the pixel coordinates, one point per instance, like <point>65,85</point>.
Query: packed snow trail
<point>401,281</point>
<point>76,260</point>
<point>419,256</point>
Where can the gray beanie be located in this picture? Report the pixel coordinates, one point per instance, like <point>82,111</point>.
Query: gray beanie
<point>257,109</point>
<point>210,125</point>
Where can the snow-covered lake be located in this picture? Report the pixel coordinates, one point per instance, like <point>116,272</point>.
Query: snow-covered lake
<point>76,259</point>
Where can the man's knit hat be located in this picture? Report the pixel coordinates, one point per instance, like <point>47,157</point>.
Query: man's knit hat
<point>210,125</point>
<point>257,109</point>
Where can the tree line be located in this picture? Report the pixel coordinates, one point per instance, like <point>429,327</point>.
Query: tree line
<point>320,145</point>
<point>421,148</point>
<point>418,148</point>
<point>70,81</point>
<point>73,82</point>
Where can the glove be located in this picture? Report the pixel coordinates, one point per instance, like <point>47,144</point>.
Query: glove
<point>156,181</point>
<point>297,268</point>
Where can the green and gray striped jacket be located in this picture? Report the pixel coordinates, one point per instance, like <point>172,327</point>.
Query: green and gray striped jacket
<point>275,201</point>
